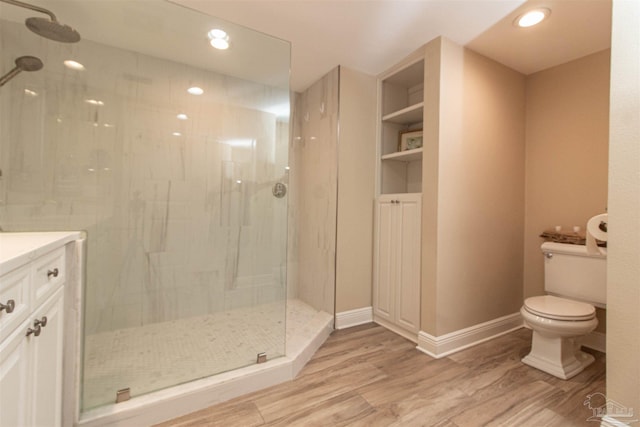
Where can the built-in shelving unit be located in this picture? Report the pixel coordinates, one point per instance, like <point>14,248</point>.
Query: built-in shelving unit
<point>408,115</point>
<point>402,110</point>
<point>405,156</point>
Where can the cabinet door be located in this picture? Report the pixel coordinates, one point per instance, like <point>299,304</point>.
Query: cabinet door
<point>15,379</point>
<point>47,363</point>
<point>408,289</point>
<point>384,273</point>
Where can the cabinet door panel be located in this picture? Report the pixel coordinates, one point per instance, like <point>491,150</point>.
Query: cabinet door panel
<point>15,379</point>
<point>47,363</point>
<point>385,264</point>
<point>408,289</point>
<point>14,286</point>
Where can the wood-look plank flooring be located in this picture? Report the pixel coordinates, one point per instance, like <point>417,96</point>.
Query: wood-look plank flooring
<point>369,376</point>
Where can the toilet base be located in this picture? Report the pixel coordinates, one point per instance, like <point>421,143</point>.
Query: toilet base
<point>560,357</point>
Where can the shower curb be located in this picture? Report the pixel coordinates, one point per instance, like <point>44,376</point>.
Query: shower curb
<point>183,399</point>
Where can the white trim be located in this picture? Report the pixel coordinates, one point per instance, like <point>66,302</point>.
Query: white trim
<point>410,335</point>
<point>596,341</point>
<point>447,344</point>
<point>349,318</point>
<point>608,421</point>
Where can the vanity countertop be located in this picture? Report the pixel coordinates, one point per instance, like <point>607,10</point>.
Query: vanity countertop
<point>19,248</point>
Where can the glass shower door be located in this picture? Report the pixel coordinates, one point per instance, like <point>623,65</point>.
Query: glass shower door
<point>182,193</point>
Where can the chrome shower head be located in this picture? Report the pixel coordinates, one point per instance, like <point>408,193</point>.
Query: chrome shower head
<point>23,63</point>
<point>48,28</point>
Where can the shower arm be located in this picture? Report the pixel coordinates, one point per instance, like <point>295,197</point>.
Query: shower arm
<point>32,7</point>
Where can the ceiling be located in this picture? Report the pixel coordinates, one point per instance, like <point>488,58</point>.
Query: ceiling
<point>371,36</point>
<point>365,35</point>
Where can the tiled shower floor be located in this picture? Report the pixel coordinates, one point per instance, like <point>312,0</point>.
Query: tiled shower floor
<point>160,355</point>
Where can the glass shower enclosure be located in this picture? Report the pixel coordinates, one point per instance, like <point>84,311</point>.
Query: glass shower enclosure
<point>172,156</point>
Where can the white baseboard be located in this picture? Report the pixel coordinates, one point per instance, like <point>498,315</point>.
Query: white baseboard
<point>411,336</point>
<point>359,316</point>
<point>452,342</point>
<point>596,341</point>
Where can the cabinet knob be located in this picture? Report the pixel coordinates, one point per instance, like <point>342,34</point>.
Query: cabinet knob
<point>40,322</point>
<point>35,331</point>
<point>9,306</point>
<point>53,273</point>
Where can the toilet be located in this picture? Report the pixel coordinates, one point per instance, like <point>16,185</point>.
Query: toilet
<point>575,282</point>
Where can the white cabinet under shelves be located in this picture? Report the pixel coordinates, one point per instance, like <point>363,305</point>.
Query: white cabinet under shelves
<point>396,287</point>
<point>402,110</point>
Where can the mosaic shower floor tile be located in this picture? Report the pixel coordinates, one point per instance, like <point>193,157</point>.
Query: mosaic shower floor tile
<point>160,355</point>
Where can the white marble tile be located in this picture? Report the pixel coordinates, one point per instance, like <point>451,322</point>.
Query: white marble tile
<point>155,205</point>
<point>313,204</point>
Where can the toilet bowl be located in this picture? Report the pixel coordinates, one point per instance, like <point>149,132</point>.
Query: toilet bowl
<point>558,324</point>
<point>575,281</point>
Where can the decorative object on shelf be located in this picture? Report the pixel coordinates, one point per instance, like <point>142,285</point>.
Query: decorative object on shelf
<point>410,140</point>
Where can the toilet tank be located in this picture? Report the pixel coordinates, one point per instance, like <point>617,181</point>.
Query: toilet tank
<point>570,271</point>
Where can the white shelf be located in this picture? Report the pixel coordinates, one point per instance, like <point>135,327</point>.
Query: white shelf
<point>411,114</point>
<point>404,156</point>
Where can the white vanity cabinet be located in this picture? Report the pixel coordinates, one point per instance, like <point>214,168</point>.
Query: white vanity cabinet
<point>32,277</point>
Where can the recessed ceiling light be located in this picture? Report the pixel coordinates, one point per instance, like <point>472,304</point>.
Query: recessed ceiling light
<point>30,92</point>
<point>218,39</point>
<point>182,116</point>
<point>532,17</point>
<point>217,33</point>
<point>195,90</point>
<point>94,102</point>
<point>220,44</point>
<point>74,65</point>
<point>176,134</point>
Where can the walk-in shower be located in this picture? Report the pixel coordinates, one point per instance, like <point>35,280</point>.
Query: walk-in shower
<point>186,253</point>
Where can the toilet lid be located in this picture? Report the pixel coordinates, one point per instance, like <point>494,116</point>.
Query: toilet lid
<point>559,308</point>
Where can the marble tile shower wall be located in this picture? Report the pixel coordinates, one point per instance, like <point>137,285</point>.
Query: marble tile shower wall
<point>314,171</point>
<point>179,225</point>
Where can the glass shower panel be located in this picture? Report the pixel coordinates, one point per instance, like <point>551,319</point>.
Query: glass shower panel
<point>180,194</point>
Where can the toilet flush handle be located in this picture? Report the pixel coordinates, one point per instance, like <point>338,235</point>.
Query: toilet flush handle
<point>548,255</point>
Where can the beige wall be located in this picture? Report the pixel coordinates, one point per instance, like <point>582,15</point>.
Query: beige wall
<point>356,188</point>
<point>567,126</point>
<point>480,194</point>
<point>623,263</point>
